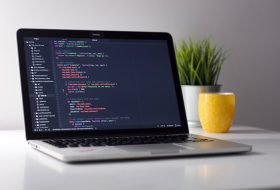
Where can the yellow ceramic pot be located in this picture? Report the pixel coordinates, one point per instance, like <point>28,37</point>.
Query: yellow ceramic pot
<point>216,111</point>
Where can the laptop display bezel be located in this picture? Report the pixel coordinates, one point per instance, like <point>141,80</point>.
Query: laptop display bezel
<point>31,135</point>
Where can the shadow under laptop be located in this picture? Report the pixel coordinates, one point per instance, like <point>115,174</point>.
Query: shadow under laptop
<point>43,172</point>
<point>239,130</point>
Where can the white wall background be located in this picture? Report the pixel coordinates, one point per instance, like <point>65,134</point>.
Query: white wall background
<point>249,28</point>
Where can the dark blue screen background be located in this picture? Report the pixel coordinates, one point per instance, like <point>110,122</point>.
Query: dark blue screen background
<point>98,84</point>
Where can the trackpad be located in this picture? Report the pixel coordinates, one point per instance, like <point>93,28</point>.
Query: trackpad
<point>153,148</point>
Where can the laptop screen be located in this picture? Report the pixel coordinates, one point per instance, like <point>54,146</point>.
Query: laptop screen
<point>100,84</point>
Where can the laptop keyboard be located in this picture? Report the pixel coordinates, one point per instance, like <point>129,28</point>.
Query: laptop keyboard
<point>132,140</point>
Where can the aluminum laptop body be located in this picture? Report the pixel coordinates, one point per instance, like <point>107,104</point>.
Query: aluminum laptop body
<point>106,95</point>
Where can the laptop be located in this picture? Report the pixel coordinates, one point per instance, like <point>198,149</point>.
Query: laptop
<point>106,95</point>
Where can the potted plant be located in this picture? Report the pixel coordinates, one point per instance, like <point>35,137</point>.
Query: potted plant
<point>199,65</point>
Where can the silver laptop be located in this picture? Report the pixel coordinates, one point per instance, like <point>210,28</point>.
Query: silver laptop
<point>106,95</point>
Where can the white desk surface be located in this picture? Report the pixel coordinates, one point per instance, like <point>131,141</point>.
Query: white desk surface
<point>21,167</point>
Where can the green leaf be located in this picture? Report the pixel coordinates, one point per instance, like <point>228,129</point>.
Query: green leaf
<point>199,62</point>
